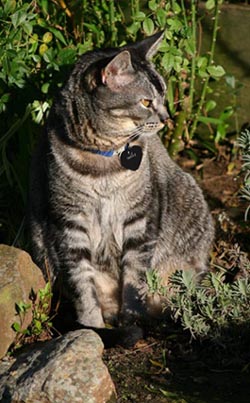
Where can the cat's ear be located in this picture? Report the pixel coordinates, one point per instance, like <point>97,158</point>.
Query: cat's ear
<point>148,47</point>
<point>119,72</point>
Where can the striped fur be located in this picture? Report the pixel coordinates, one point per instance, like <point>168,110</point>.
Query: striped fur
<point>99,226</point>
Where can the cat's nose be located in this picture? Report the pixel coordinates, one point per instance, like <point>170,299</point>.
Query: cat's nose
<point>163,114</point>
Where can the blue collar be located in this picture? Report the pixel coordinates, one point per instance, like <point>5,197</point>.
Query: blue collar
<point>103,153</point>
<point>109,153</point>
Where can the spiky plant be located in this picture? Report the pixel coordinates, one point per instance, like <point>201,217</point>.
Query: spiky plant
<point>244,144</point>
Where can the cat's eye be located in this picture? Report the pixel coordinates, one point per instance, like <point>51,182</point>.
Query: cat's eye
<point>146,102</point>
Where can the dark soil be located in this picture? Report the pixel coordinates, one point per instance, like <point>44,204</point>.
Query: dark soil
<point>167,366</point>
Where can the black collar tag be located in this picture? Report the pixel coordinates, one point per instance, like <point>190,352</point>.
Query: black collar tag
<point>131,157</point>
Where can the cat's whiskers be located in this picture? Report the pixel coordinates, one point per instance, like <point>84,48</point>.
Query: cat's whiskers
<point>127,137</point>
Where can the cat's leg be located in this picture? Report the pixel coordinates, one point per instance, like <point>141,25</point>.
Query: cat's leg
<point>135,263</point>
<point>74,259</point>
<point>87,304</point>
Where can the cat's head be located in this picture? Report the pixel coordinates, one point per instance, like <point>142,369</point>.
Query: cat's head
<point>125,93</point>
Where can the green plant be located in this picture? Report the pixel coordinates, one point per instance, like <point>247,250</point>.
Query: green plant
<point>41,324</point>
<point>213,307</point>
<point>244,144</point>
<point>154,283</point>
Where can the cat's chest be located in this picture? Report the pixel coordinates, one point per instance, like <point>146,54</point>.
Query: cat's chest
<point>106,205</point>
<point>107,219</point>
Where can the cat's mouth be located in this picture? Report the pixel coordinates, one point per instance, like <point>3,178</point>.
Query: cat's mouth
<point>153,127</point>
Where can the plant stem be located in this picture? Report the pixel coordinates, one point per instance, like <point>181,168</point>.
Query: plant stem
<point>112,23</point>
<point>176,144</point>
<point>184,14</point>
<point>210,62</point>
<point>193,63</point>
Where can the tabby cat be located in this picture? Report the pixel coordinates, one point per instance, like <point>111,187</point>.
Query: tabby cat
<point>107,203</point>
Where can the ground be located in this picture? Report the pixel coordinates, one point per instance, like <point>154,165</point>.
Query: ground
<point>167,367</point>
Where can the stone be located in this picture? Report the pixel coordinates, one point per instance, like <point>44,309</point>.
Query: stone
<point>18,275</point>
<point>63,370</point>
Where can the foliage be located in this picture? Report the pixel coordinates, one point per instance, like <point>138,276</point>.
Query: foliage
<point>211,308</point>
<point>40,40</point>
<point>154,283</point>
<point>189,74</point>
<point>41,322</point>
<point>244,144</point>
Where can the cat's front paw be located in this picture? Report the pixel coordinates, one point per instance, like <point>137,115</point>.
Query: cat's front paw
<point>130,316</point>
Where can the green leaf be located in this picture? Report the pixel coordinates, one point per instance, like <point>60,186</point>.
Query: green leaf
<point>43,49</point>
<point>220,132</point>
<point>134,28</point>
<point>44,5</point>
<point>152,5</point>
<point>47,37</point>
<point>227,113</point>
<point>161,17</point>
<point>208,119</point>
<point>175,24</point>
<point>202,62</point>
<point>67,56</point>
<point>168,62</point>
<point>18,17</point>
<point>16,327</point>
<point>216,71</point>
<point>148,26</point>
<point>176,8</point>
<point>210,4</point>
<point>45,88</point>
<point>210,105</point>
<point>230,80</point>
<point>37,327</point>
<point>10,6</point>
<point>92,28</point>
<point>58,35</point>
<point>140,16</point>
<point>28,28</point>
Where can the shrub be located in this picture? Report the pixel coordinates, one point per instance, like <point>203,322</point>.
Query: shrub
<point>244,144</point>
<point>212,308</point>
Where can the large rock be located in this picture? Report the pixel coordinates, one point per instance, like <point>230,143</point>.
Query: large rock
<point>18,275</point>
<point>68,369</point>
